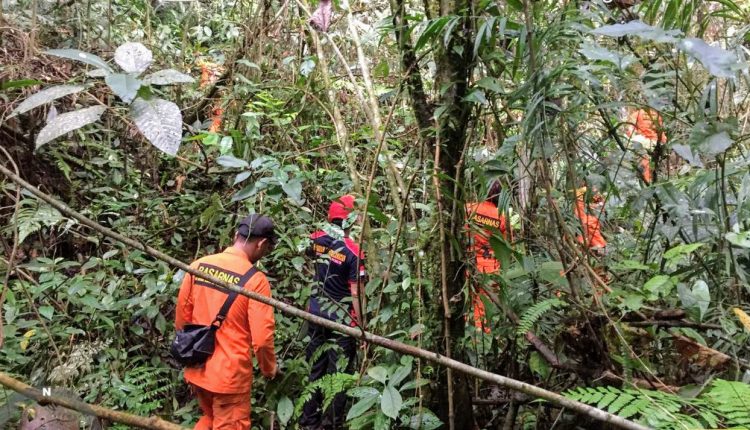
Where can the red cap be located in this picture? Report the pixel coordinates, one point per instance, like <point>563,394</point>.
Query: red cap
<point>341,207</point>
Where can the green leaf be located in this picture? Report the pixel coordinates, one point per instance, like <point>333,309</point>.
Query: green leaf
<point>433,28</point>
<point>168,77</point>
<point>391,402</point>
<point>741,239</point>
<point>681,250</point>
<point>638,29</point>
<point>284,410</point>
<point>425,421</point>
<point>490,84</point>
<point>378,373</point>
<point>125,86</point>
<point>45,96</point>
<point>633,302</point>
<point>362,406</point>
<point>47,311</point>
<point>67,122</point>
<point>716,144</point>
<point>595,52</point>
<point>20,83</point>
<point>718,61</point>
<point>160,121</point>
<point>476,96</point>
<point>133,57</point>
<point>307,67</point>
<point>400,374</point>
<point>697,297</point>
<point>232,162</point>
<point>659,285</point>
<point>515,4</point>
<point>293,189</point>
<point>539,365</point>
<point>84,57</point>
<point>248,63</point>
<point>241,177</point>
<point>363,391</point>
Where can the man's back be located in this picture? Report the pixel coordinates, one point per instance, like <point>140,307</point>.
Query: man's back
<point>483,220</point>
<point>339,262</point>
<point>248,323</point>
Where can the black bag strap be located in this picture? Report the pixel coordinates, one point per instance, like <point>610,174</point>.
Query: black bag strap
<point>222,315</point>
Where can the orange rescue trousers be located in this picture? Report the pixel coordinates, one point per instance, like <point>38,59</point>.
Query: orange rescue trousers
<point>223,411</point>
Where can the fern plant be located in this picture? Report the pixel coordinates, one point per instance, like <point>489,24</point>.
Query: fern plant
<point>329,385</point>
<point>31,217</point>
<point>725,403</point>
<point>535,313</point>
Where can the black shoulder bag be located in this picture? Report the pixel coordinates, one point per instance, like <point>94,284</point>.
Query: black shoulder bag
<point>195,343</point>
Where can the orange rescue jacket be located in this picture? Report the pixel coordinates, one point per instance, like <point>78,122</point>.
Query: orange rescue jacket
<point>249,323</point>
<point>647,123</point>
<point>482,219</point>
<point>592,232</point>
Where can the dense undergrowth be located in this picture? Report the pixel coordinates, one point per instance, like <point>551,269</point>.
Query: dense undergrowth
<point>654,329</point>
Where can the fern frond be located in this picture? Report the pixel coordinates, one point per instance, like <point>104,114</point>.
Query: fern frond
<point>535,313</point>
<point>726,403</point>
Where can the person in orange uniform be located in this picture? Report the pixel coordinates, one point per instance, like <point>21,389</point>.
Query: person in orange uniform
<point>645,126</point>
<point>484,220</point>
<point>592,232</point>
<point>223,383</point>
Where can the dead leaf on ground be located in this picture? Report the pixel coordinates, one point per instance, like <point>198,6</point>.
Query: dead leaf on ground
<point>699,354</point>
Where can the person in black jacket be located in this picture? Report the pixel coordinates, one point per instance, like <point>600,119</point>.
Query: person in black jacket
<point>339,276</point>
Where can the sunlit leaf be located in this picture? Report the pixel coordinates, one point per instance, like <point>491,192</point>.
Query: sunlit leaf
<point>160,121</point>
<point>45,96</point>
<point>595,52</point>
<point>391,402</point>
<point>719,62</point>
<point>638,29</point>
<point>84,57</point>
<point>362,406</point>
<point>284,410</point>
<point>168,77</point>
<point>123,85</point>
<point>133,57</point>
<point>67,122</point>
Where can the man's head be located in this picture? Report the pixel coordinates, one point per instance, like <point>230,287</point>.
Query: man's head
<point>256,236</point>
<point>493,195</point>
<point>340,209</point>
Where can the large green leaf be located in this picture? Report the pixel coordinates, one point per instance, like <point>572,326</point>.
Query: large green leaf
<point>45,96</point>
<point>284,410</point>
<point>68,122</point>
<point>425,421</point>
<point>133,57</point>
<point>160,121</point>
<point>697,297</point>
<point>638,29</point>
<point>595,52</point>
<point>362,406</point>
<point>718,61</point>
<point>84,57</point>
<point>168,77</point>
<point>378,373</point>
<point>125,86</point>
<point>293,189</point>
<point>232,162</point>
<point>391,401</point>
